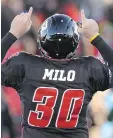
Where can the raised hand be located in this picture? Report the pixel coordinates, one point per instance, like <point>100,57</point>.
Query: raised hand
<point>89,26</point>
<point>21,24</point>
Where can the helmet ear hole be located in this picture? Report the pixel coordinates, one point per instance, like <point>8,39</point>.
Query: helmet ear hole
<point>60,37</point>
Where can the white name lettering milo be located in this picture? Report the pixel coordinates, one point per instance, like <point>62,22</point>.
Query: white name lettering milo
<point>58,75</point>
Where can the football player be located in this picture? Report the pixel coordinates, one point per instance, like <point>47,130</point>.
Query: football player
<point>54,88</point>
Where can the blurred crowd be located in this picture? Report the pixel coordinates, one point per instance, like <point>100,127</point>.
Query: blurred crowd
<point>100,111</point>
<point>100,115</point>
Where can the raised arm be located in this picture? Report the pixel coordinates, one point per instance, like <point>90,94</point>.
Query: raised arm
<point>19,26</point>
<point>90,30</point>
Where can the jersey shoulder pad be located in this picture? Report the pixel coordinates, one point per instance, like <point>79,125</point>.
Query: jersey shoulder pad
<point>14,55</point>
<point>93,61</point>
<point>23,57</point>
<point>18,56</point>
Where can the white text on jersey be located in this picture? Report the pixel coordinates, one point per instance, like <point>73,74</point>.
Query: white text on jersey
<point>58,75</point>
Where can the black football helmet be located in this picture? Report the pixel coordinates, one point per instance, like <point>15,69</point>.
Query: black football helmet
<point>58,37</point>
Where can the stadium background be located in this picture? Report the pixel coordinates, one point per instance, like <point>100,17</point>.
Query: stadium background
<point>100,112</point>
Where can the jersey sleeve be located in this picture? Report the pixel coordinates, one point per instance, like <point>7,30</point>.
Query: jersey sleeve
<point>100,75</point>
<point>105,50</point>
<point>6,42</point>
<point>12,72</point>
